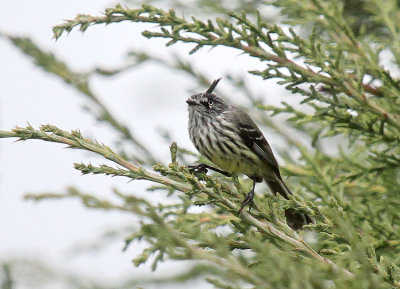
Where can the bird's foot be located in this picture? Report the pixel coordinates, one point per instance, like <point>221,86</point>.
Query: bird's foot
<point>248,200</point>
<point>197,169</point>
<point>200,168</point>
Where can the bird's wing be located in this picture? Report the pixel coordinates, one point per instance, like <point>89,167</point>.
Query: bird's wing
<point>254,139</point>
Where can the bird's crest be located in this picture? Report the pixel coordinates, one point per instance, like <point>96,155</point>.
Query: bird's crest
<point>213,85</point>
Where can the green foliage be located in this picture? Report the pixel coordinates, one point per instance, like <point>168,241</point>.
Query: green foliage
<point>7,281</point>
<point>329,53</point>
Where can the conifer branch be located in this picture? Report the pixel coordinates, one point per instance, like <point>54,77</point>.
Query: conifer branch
<point>247,37</point>
<point>188,183</point>
<point>226,34</point>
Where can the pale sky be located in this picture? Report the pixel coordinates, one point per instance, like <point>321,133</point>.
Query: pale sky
<point>148,98</point>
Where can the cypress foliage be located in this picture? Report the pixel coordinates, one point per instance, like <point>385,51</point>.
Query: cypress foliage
<point>330,53</point>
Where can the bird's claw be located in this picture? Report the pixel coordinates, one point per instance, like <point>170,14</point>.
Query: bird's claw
<point>248,200</point>
<point>197,169</point>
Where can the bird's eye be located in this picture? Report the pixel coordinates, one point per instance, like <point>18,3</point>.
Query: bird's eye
<point>210,102</point>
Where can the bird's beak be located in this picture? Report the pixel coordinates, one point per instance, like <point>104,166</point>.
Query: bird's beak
<point>192,101</point>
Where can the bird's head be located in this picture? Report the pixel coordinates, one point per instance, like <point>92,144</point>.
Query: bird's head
<point>207,103</point>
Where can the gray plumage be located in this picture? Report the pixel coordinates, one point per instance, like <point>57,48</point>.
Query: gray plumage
<point>229,138</point>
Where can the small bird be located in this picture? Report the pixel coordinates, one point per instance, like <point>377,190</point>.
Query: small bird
<point>230,139</point>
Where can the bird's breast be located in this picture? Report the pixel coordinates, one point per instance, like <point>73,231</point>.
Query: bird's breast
<point>218,141</point>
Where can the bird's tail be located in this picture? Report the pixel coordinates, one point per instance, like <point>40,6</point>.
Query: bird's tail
<point>294,219</point>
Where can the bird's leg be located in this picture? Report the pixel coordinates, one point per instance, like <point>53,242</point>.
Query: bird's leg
<point>248,200</point>
<point>203,168</point>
